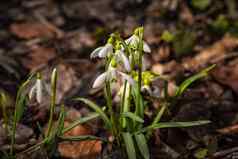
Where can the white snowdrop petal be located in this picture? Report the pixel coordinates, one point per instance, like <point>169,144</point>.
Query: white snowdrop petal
<point>146,89</point>
<point>107,49</point>
<point>127,78</point>
<point>133,40</point>
<point>111,73</point>
<point>95,52</point>
<point>125,61</point>
<point>39,91</point>
<point>100,80</point>
<point>32,92</point>
<point>146,47</point>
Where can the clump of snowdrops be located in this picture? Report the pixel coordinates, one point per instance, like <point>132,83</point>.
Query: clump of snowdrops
<point>124,64</point>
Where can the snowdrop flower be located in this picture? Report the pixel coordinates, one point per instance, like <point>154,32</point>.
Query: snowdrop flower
<point>37,90</point>
<point>121,57</point>
<point>102,51</point>
<point>109,75</point>
<point>134,41</point>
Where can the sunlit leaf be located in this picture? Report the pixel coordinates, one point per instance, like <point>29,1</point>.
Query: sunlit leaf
<point>142,145</point>
<point>130,148</point>
<point>97,109</point>
<point>132,116</point>
<point>81,120</point>
<point>192,79</point>
<point>175,124</point>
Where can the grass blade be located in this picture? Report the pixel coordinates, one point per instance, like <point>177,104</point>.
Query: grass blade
<point>175,124</point>
<point>60,125</point>
<point>81,121</point>
<point>132,116</point>
<point>82,138</point>
<point>192,79</point>
<point>97,109</point>
<point>142,145</point>
<point>130,148</point>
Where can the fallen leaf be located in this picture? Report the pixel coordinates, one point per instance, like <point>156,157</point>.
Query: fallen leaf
<point>39,55</point>
<point>29,30</point>
<point>229,129</point>
<point>88,149</point>
<point>219,48</point>
<point>228,75</point>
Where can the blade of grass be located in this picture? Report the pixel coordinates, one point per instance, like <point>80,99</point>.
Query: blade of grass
<point>60,125</point>
<point>130,148</point>
<point>175,125</point>
<point>52,101</point>
<point>82,138</point>
<point>95,107</point>
<point>132,116</point>
<point>80,121</point>
<point>142,145</point>
<point>192,79</point>
<point>19,107</point>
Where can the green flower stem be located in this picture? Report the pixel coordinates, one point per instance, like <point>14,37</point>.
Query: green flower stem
<point>3,101</point>
<point>139,108</point>
<point>53,101</point>
<point>126,102</point>
<point>158,117</point>
<point>114,128</point>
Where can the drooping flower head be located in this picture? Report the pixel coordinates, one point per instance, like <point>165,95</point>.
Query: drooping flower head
<point>134,40</point>
<point>37,89</point>
<point>104,51</point>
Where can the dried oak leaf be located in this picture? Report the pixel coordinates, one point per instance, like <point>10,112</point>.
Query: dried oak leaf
<point>88,149</point>
<point>229,129</point>
<point>218,49</point>
<point>228,75</point>
<point>29,30</point>
<point>39,55</point>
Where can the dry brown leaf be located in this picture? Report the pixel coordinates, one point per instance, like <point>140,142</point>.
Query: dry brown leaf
<point>39,55</point>
<point>221,47</point>
<point>186,14</point>
<point>228,75</point>
<point>29,30</point>
<point>88,149</point>
<point>229,129</point>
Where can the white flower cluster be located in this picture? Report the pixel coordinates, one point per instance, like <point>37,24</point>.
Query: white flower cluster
<point>117,55</point>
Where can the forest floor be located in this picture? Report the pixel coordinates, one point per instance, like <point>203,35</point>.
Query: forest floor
<point>185,37</point>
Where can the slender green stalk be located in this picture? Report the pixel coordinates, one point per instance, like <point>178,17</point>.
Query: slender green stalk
<point>108,95</point>
<point>3,102</point>
<point>18,111</point>
<point>53,101</point>
<point>139,108</point>
<point>126,102</point>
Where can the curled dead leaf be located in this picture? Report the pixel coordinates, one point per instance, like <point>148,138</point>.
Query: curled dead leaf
<point>88,149</point>
<point>29,30</point>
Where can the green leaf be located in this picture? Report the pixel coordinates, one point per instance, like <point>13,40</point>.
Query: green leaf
<point>180,124</point>
<point>19,106</point>
<point>167,36</point>
<point>184,42</point>
<point>130,148</point>
<point>132,116</point>
<point>221,24</point>
<point>192,79</point>
<point>142,145</point>
<point>82,138</point>
<point>95,107</point>
<point>201,153</point>
<point>175,125</point>
<point>60,125</point>
<point>201,4</point>
<point>81,120</point>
